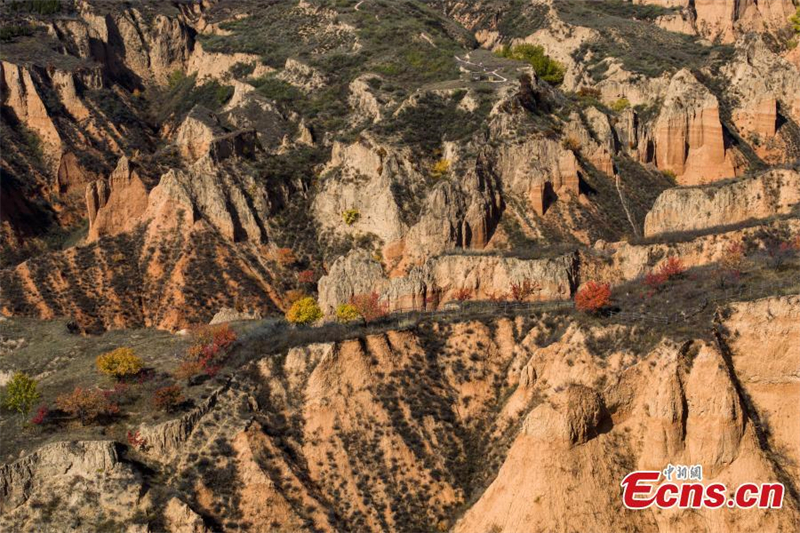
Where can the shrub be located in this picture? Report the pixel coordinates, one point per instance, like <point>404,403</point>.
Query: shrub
<point>571,143</point>
<point>119,363</point>
<point>41,415</point>
<point>369,306</point>
<point>620,105</point>
<point>86,404</point>
<point>440,169</point>
<point>304,311</point>
<point>795,20</point>
<point>545,67</point>
<point>351,216</point>
<point>654,280</point>
<point>136,440</point>
<point>168,398</point>
<point>42,7</point>
<point>589,92</point>
<point>672,268</point>
<point>306,276</point>
<point>285,256</point>
<point>8,33</point>
<point>21,393</point>
<point>734,257</point>
<point>669,174</point>
<point>462,294</point>
<point>347,313</point>
<point>522,291</point>
<point>593,297</point>
<point>208,352</point>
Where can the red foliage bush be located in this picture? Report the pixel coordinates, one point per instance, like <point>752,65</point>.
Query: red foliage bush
<point>654,280</point>
<point>168,398</point>
<point>208,353</point>
<point>593,297</point>
<point>462,295</point>
<point>136,440</point>
<point>672,268</point>
<point>40,416</point>
<point>369,306</point>
<point>306,276</point>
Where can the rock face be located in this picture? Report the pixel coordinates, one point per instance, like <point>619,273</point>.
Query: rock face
<point>766,362</point>
<point>725,20</point>
<point>129,45</point>
<point>775,192</point>
<point>618,262</point>
<point>766,88</point>
<point>116,205</point>
<point>62,476</point>
<point>232,315</point>
<point>689,414</point>
<point>561,417</point>
<point>202,134</point>
<point>20,94</point>
<point>361,178</point>
<point>446,278</point>
<point>688,133</point>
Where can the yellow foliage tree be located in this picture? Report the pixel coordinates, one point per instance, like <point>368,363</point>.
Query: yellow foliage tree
<point>119,363</point>
<point>440,169</point>
<point>347,313</point>
<point>304,311</point>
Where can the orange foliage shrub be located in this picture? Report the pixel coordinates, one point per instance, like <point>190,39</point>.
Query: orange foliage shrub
<point>522,291</point>
<point>285,256</point>
<point>369,306</point>
<point>593,297</point>
<point>86,404</point>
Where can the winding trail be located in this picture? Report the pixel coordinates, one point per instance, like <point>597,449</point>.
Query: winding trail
<point>485,70</point>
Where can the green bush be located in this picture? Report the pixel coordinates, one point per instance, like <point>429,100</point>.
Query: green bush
<point>21,393</point>
<point>41,7</point>
<point>183,93</point>
<point>8,33</point>
<point>347,313</point>
<point>621,105</point>
<point>304,311</point>
<point>546,67</point>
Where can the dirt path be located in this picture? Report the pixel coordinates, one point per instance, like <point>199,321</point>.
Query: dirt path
<point>484,70</point>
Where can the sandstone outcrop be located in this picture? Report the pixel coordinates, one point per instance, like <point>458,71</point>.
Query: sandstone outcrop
<point>82,481</point>
<point>622,261</point>
<point>302,76</point>
<point>20,94</point>
<point>775,192</point>
<point>688,133</point>
<point>725,20</point>
<point>114,206</point>
<point>201,134</point>
<point>445,278</point>
<point>762,337</point>
<point>766,87</point>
